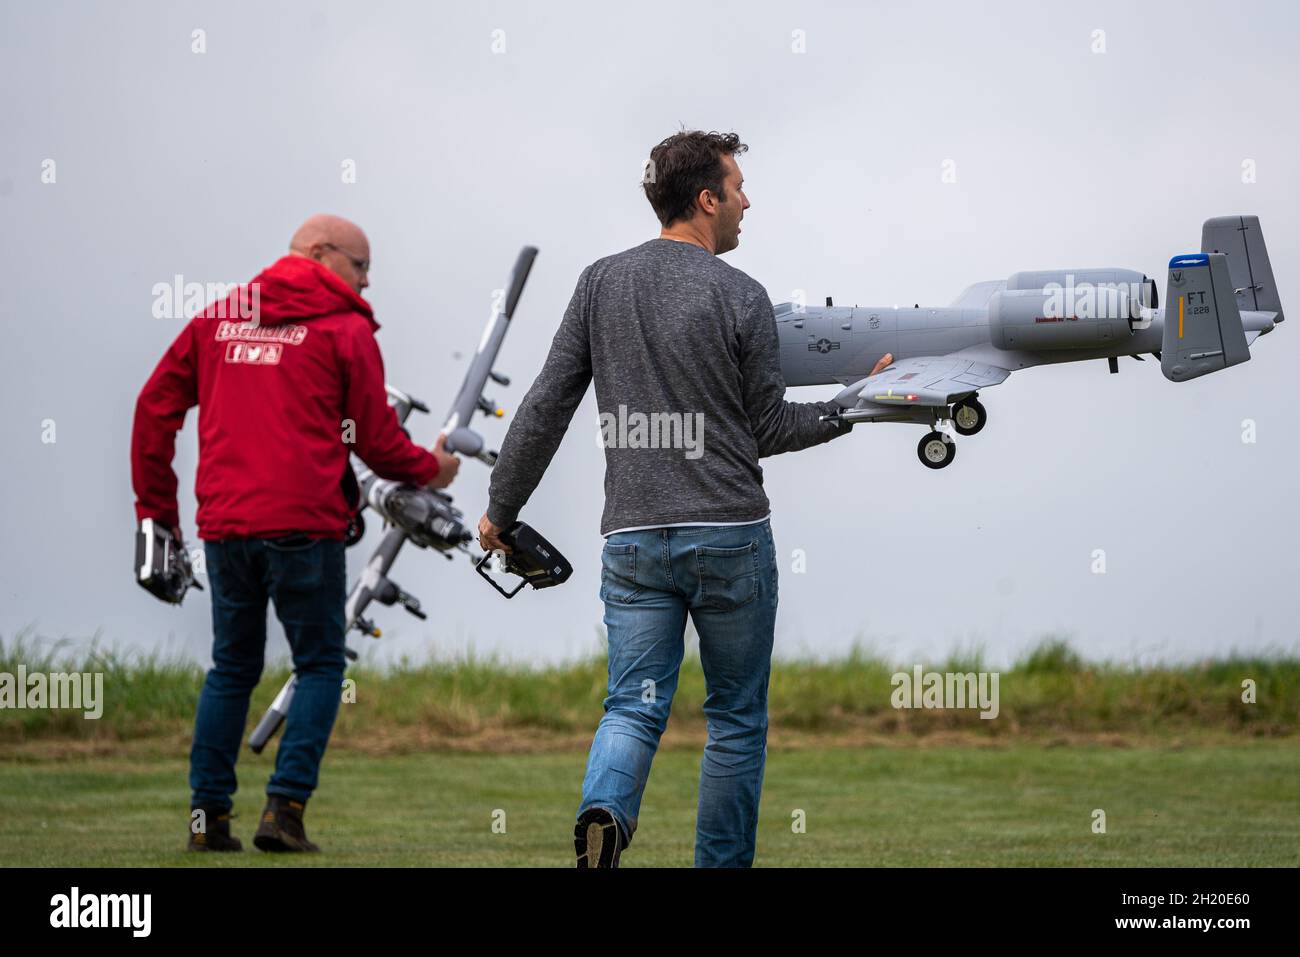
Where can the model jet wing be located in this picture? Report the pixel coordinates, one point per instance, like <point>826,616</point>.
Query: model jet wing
<point>921,381</point>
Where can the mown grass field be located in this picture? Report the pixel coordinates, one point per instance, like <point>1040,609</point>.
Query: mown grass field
<point>1187,773</point>
<point>1022,805</point>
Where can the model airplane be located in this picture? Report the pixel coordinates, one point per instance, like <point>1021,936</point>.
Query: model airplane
<point>1217,302</point>
<point>422,516</point>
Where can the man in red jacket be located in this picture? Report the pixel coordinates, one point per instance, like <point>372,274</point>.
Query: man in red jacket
<point>288,380</point>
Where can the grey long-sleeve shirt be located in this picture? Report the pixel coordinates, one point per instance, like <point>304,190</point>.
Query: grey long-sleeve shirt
<point>683,350</point>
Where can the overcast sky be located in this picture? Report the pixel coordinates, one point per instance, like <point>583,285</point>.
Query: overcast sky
<point>469,143</point>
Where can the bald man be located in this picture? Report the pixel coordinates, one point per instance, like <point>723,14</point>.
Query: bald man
<point>288,379</point>
<point>338,245</point>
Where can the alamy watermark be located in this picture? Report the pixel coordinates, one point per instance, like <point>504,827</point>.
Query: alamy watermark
<point>1093,300</point>
<point>130,911</point>
<point>946,689</point>
<point>57,690</point>
<point>653,430</point>
<point>229,300</point>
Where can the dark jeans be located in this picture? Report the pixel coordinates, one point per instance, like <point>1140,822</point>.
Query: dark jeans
<point>307,584</point>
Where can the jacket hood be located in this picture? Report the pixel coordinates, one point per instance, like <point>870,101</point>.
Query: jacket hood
<point>295,288</point>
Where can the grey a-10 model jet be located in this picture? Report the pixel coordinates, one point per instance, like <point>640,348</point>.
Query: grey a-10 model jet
<point>1217,302</point>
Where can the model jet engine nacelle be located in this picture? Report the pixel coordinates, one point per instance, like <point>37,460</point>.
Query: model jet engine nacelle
<point>1068,308</point>
<point>427,516</point>
<point>1141,288</point>
<point>1042,278</point>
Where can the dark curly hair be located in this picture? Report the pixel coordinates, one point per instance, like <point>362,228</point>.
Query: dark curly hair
<point>683,165</point>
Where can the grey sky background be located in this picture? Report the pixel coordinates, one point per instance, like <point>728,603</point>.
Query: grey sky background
<point>171,162</point>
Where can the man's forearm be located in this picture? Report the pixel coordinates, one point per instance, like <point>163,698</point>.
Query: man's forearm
<point>543,416</point>
<point>791,426</point>
<point>530,444</point>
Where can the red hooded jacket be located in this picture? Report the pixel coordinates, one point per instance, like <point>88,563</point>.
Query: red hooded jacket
<point>283,398</point>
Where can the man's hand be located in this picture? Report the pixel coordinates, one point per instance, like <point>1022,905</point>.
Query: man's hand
<point>489,537</point>
<point>448,464</point>
<point>880,366</point>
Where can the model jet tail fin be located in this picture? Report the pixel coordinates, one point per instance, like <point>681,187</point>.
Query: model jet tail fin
<point>1203,331</point>
<point>1249,270</point>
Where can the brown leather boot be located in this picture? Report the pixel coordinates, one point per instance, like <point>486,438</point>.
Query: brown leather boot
<point>281,828</point>
<point>215,835</point>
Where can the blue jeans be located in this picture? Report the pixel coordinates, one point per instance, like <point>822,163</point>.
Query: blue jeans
<point>307,585</point>
<point>726,578</point>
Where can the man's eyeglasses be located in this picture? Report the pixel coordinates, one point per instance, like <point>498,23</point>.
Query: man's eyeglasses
<point>361,265</point>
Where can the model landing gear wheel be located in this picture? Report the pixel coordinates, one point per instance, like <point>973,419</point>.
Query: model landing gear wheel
<point>968,416</point>
<point>936,450</point>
